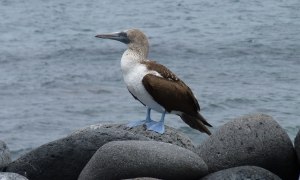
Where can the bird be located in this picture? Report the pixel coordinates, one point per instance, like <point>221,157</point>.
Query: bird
<point>154,85</point>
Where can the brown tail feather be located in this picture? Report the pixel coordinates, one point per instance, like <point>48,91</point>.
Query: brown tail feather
<point>196,123</point>
<point>202,119</point>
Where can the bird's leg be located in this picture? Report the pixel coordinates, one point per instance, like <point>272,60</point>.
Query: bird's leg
<point>148,121</point>
<point>159,127</point>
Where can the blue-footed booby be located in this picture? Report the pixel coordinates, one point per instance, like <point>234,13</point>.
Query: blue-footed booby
<point>154,85</point>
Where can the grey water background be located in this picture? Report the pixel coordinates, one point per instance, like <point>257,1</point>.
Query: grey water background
<point>239,57</point>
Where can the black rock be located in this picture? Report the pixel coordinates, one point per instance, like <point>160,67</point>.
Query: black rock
<point>297,145</point>
<point>5,156</point>
<point>65,158</point>
<point>171,135</point>
<point>242,173</point>
<point>255,140</point>
<point>131,159</point>
<point>11,176</point>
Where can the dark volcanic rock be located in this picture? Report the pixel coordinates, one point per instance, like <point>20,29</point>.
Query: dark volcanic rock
<point>242,173</point>
<point>65,158</point>
<point>5,156</point>
<point>130,159</point>
<point>11,176</point>
<point>297,145</point>
<point>256,140</point>
<point>171,135</point>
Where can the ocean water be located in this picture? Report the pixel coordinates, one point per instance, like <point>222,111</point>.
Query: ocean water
<point>238,57</point>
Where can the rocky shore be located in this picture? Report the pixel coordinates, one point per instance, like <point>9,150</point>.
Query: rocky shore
<point>249,147</point>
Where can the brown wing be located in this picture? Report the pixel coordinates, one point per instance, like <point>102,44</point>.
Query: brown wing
<point>169,76</point>
<point>172,95</point>
<point>162,70</point>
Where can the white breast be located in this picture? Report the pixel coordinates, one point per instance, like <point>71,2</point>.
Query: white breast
<point>133,73</point>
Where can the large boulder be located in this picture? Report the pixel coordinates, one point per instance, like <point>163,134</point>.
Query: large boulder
<point>131,159</point>
<point>256,140</point>
<point>297,145</point>
<point>5,156</point>
<point>11,176</point>
<point>65,158</point>
<point>171,135</point>
<point>242,172</point>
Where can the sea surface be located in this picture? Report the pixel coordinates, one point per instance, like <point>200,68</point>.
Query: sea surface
<point>239,57</point>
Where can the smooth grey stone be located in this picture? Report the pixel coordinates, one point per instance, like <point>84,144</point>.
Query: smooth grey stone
<point>171,135</point>
<point>242,173</point>
<point>297,145</point>
<point>5,156</point>
<point>256,140</point>
<point>65,158</point>
<point>131,159</point>
<point>11,176</point>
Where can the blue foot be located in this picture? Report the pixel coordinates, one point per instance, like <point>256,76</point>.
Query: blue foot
<point>158,127</point>
<point>136,123</point>
<point>149,123</point>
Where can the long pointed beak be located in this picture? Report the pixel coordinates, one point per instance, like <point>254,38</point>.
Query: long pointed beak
<point>120,36</point>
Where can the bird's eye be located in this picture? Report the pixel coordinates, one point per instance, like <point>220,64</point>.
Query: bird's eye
<point>123,34</point>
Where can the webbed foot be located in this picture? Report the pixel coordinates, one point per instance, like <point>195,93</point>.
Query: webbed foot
<point>158,127</point>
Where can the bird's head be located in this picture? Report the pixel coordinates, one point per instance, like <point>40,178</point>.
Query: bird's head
<point>135,39</point>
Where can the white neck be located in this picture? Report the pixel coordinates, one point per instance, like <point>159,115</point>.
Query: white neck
<point>129,60</point>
